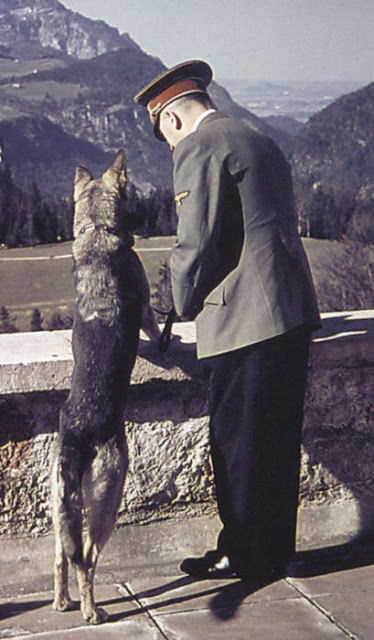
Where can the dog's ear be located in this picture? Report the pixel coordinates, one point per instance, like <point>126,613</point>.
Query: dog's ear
<point>81,180</point>
<point>115,177</point>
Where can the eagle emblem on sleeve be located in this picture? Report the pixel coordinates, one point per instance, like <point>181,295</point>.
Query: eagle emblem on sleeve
<point>180,197</point>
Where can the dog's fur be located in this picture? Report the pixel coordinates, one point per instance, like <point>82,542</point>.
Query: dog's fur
<point>90,460</point>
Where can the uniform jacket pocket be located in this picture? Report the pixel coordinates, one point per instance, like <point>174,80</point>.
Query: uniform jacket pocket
<point>217,296</point>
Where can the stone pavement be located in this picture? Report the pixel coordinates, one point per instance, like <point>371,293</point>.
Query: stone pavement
<point>329,593</point>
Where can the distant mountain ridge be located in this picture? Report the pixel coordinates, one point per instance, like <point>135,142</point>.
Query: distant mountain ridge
<point>80,74</point>
<point>296,99</point>
<point>333,165</point>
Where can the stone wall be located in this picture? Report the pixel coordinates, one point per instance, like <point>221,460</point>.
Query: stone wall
<point>170,474</point>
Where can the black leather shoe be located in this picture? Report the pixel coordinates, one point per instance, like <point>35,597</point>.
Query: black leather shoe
<point>215,565</point>
<point>212,565</point>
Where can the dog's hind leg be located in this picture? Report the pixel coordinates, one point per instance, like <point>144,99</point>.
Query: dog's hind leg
<point>102,491</point>
<point>62,600</point>
<point>86,578</point>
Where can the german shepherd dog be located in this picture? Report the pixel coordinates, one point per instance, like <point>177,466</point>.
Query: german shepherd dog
<point>90,459</point>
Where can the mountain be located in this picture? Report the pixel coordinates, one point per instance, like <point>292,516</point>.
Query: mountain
<point>79,75</point>
<point>89,103</point>
<point>284,123</point>
<point>28,151</point>
<point>29,27</point>
<point>333,166</point>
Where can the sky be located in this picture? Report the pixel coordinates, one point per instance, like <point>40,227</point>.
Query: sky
<point>275,40</point>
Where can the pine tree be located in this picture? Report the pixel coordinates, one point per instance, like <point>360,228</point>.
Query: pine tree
<point>58,321</point>
<point>64,215</point>
<point>133,207</point>
<point>38,218</point>
<point>166,216</point>
<point>36,323</point>
<point>16,233</point>
<point>6,189</point>
<point>7,323</point>
<point>150,207</point>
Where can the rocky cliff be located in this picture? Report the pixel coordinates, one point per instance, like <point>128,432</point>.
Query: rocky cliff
<point>29,26</point>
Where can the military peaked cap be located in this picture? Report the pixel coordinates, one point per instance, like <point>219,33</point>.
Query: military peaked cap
<point>186,78</point>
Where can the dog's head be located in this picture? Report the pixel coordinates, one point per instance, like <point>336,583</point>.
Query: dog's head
<point>99,201</point>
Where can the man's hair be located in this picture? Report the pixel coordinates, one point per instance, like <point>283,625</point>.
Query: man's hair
<point>184,102</point>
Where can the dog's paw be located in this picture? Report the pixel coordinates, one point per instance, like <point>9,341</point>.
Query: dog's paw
<point>96,616</point>
<point>63,604</point>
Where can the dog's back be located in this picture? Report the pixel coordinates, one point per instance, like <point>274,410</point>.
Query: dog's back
<point>91,457</point>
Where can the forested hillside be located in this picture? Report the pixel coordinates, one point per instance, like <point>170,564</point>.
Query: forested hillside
<point>333,163</point>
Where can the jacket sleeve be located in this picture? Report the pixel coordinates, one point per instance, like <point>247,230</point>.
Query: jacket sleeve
<point>198,182</point>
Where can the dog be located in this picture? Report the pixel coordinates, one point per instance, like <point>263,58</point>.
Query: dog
<point>90,459</point>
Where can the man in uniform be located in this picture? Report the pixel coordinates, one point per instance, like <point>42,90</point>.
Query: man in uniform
<point>239,269</point>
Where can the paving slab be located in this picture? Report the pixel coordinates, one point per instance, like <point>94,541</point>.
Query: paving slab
<point>132,630</point>
<point>263,620</point>
<point>353,580</point>
<point>345,596</point>
<point>355,613</point>
<point>32,616</point>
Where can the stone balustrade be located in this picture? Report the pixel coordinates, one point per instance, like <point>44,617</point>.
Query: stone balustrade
<point>170,473</point>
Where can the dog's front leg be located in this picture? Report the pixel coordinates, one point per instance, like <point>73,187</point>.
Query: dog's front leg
<point>86,575</point>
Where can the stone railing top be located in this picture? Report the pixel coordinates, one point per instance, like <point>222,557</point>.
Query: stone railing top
<point>346,338</point>
<point>42,361</point>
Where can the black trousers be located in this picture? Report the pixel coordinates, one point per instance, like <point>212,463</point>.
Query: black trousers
<point>256,397</point>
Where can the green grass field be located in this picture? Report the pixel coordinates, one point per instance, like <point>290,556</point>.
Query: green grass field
<point>12,68</point>
<point>36,91</point>
<point>14,84</point>
<point>41,277</point>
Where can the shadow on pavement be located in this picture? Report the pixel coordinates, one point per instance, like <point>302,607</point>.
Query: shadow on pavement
<point>351,555</point>
<point>11,609</point>
<point>226,598</point>
<point>175,599</point>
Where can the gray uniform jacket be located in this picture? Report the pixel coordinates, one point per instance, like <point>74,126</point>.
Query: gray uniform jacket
<point>238,266</point>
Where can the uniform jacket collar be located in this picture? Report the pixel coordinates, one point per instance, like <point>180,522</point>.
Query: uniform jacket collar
<point>216,115</point>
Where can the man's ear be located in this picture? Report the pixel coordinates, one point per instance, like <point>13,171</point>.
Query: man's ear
<point>177,120</point>
<point>174,119</point>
